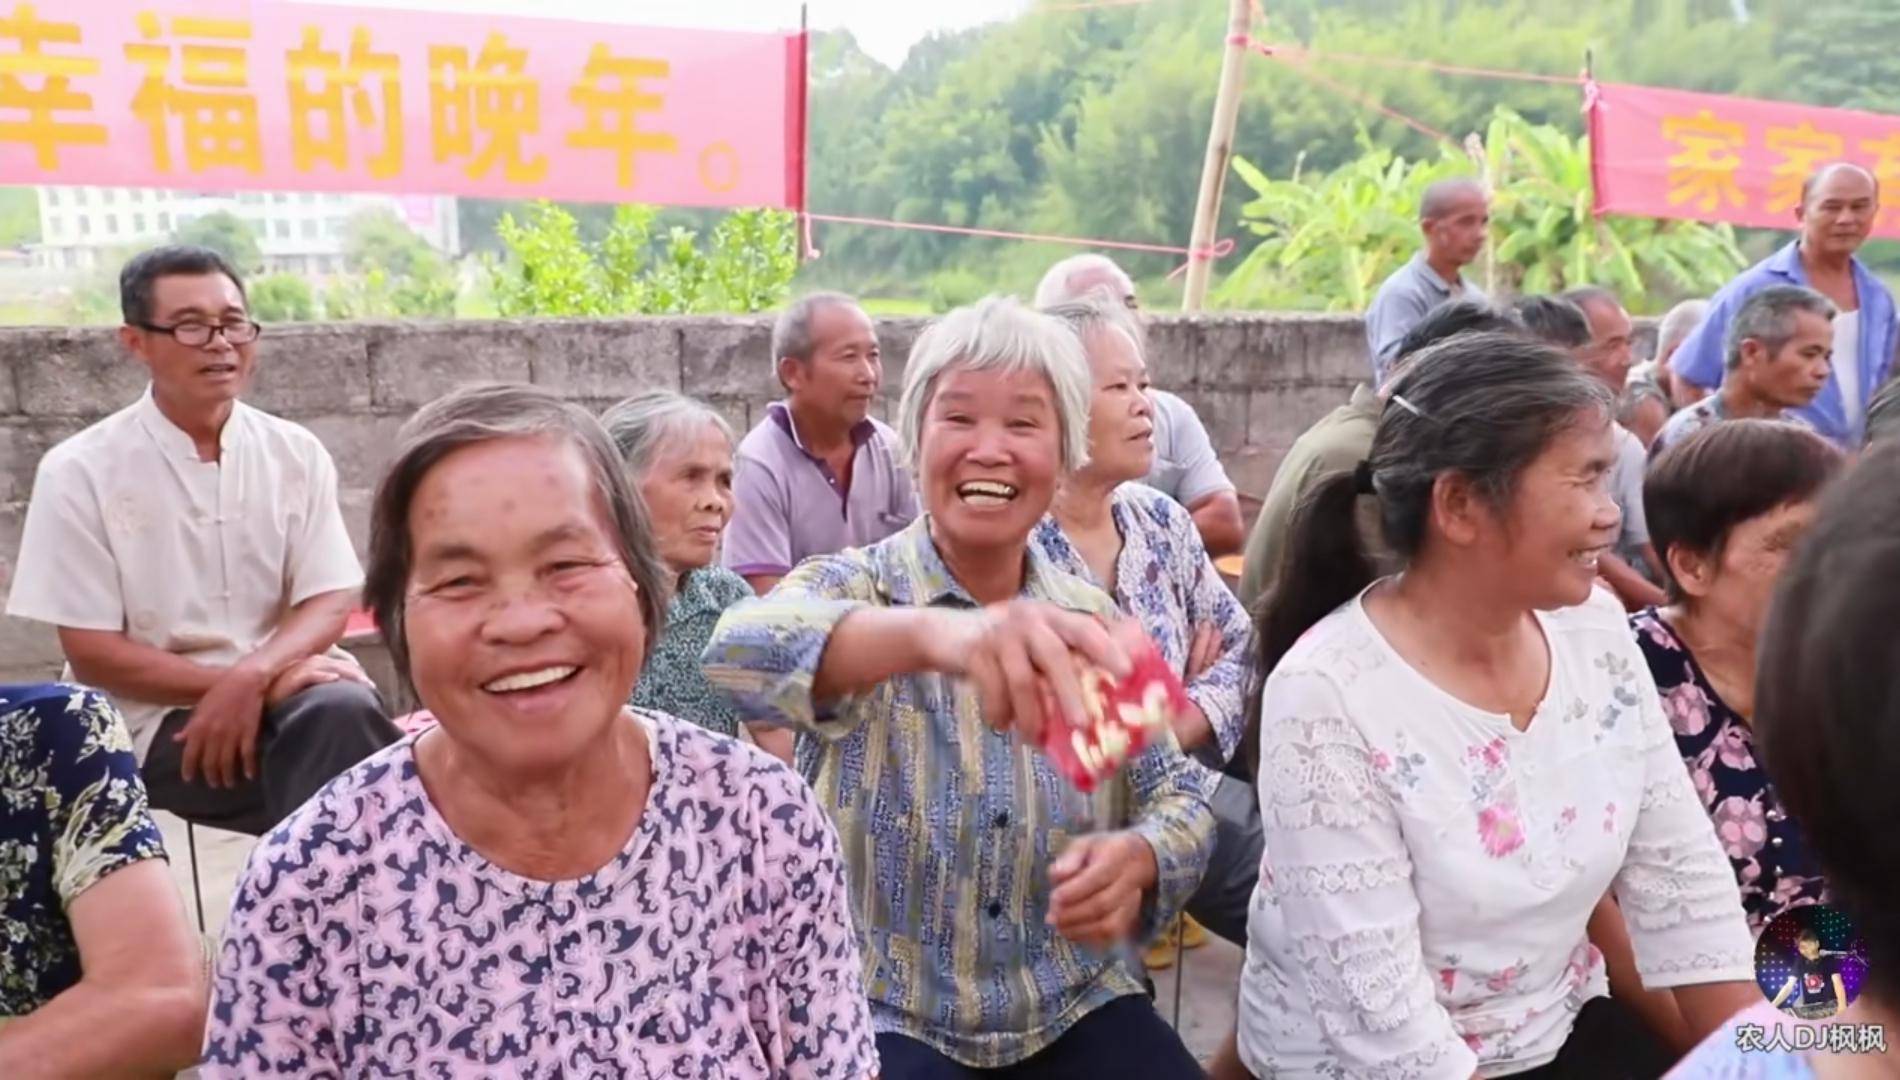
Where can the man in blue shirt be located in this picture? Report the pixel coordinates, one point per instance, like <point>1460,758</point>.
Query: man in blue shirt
<point>1838,207</point>
<point>1455,217</point>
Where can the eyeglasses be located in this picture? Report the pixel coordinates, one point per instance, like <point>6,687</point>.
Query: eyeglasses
<point>198,335</point>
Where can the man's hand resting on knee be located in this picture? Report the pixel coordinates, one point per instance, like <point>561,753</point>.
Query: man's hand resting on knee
<point>312,671</point>
<point>221,736</point>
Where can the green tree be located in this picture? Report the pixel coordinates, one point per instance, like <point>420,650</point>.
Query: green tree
<point>1328,240</point>
<point>368,295</point>
<point>1547,237</point>
<point>549,271</point>
<point>746,264</point>
<point>228,235</point>
<point>375,237</point>
<point>282,298</point>
<point>19,216</point>
<point>1841,55</point>
<point>1093,123</point>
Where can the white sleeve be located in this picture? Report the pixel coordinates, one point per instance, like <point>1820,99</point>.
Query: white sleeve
<point>1676,887</point>
<point>1632,461</point>
<point>1193,453</point>
<point>322,559</point>
<point>66,574</point>
<point>1338,867</point>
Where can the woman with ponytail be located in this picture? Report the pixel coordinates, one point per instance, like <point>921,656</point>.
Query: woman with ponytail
<point>1457,762</point>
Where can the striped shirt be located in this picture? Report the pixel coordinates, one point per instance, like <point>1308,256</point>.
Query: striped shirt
<point>948,827</point>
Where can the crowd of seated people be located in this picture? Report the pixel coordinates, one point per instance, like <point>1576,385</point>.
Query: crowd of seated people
<point>1525,721</point>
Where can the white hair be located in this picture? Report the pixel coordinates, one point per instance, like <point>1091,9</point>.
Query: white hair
<point>1058,285</point>
<point>642,424</point>
<point>999,334</point>
<point>1678,324</point>
<point>1097,313</point>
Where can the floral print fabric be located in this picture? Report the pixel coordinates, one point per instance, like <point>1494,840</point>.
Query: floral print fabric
<point>1773,865</point>
<point>672,682</point>
<point>1164,579</point>
<point>72,810</point>
<point>1430,868</point>
<point>367,939</point>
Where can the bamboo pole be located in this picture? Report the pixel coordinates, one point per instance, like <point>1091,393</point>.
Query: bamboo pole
<point>1220,147</point>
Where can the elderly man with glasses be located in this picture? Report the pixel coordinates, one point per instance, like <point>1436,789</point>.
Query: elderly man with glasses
<point>190,551</point>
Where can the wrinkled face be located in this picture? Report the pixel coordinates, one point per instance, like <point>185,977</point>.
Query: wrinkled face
<point>1839,213</point>
<point>1121,420</point>
<point>1560,520</point>
<point>523,625</point>
<point>1608,355</point>
<point>990,452</point>
<point>688,492</point>
<point>1735,584</point>
<point>1458,235</point>
<point>1793,376</point>
<point>840,380</point>
<point>194,377</point>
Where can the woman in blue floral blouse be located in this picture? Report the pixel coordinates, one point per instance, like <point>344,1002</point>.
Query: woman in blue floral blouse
<point>99,975</point>
<point>679,457</point>
<point>1726,509</point>
<point>1142,548</point>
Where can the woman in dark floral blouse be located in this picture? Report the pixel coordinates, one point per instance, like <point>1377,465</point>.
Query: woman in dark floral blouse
<point>1726,508</point>
<point>99,974</point>
<point>679,458</point>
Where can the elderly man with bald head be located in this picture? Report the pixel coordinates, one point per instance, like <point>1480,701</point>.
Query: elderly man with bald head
<point>1454,217</point>
<point>1186,468</point>
<point>1838,206</point>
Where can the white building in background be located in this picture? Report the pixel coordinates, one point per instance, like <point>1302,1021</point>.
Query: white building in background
<point>299,233</point>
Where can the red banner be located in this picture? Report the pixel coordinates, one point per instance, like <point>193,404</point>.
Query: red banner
<point>285,97</point>
<point>1706,157</point>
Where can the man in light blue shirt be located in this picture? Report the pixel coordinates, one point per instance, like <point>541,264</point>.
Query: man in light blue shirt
<point>1455,216</point>
<point>1838,207</point>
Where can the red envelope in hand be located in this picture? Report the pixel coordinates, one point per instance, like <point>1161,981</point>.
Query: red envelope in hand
<point>1123,717</point>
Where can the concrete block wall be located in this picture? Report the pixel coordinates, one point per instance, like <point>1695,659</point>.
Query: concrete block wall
<point>1256,380</point>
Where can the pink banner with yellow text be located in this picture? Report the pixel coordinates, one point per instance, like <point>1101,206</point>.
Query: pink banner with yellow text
<point>220,94</point>
<point>1705,157</point>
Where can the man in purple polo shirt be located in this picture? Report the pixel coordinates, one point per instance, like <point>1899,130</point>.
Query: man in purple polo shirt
<point>818,474</point>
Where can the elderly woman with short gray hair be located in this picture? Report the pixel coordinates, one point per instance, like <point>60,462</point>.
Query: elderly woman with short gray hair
<point>987,901</point>
<point>678,453</point>
<point>546,882</point>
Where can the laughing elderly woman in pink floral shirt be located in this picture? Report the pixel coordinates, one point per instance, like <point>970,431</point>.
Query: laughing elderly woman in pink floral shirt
<point>547,883</point>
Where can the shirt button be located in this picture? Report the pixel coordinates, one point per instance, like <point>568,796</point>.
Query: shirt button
<point>996,909</point>
<point>1002,819</point>
<point>1776,840</point>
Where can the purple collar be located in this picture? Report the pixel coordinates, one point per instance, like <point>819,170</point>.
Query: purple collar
<point>781,414</point>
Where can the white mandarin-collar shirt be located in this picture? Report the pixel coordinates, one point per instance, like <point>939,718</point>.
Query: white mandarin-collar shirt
<point>127,530</point>
<point>1429,868</point>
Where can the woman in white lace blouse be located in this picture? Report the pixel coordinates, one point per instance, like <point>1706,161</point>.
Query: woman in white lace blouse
<point>1458,762</point>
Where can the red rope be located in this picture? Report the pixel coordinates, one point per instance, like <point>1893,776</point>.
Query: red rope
<point>1299,52</point>
<point>1219,249</point>
<point>1337,87</point>
<point>1001,234</point>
